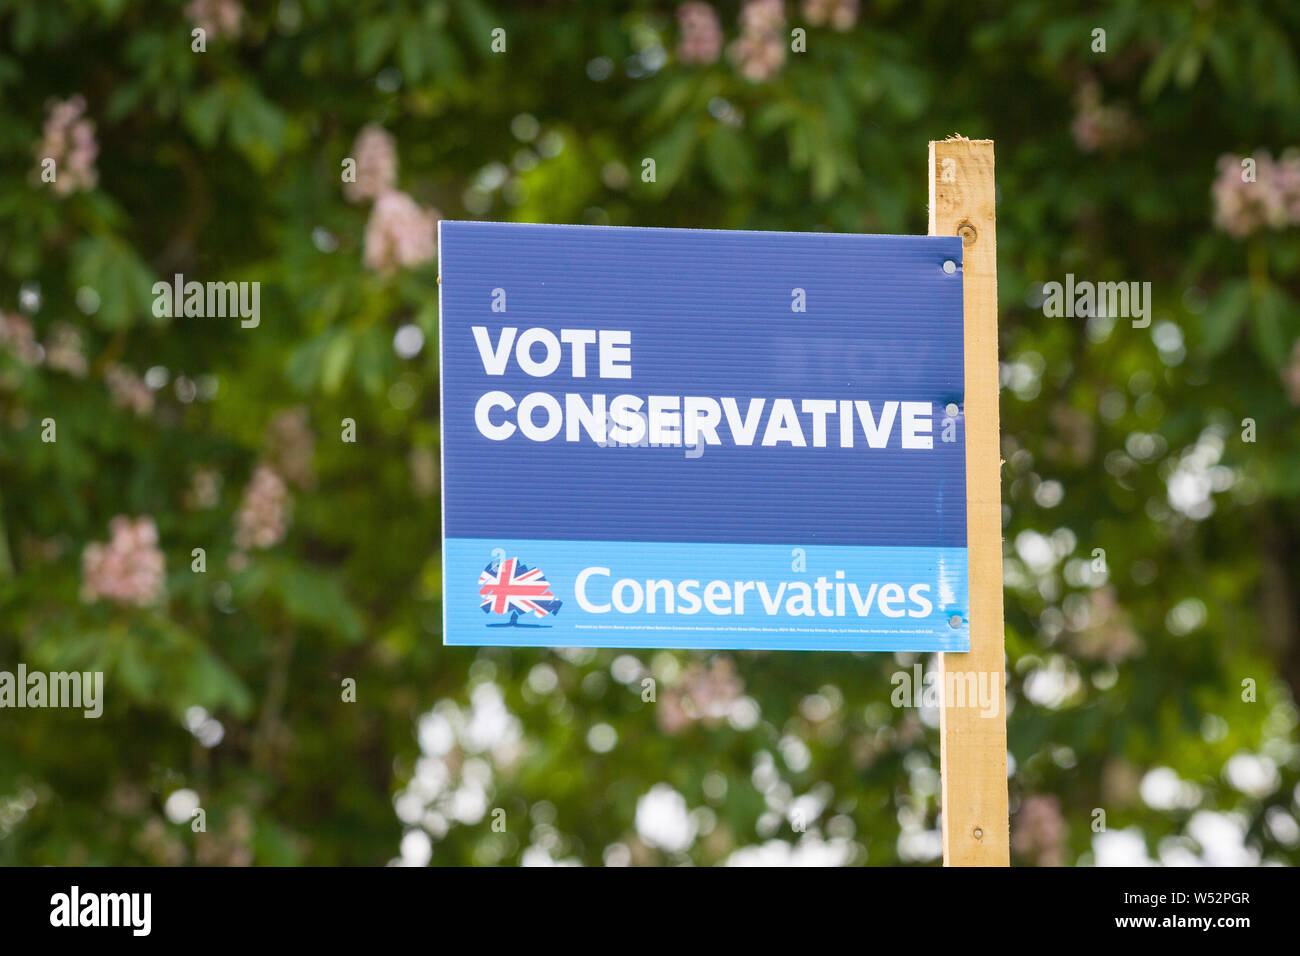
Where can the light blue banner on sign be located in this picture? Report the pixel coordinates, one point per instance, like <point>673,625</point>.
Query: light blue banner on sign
<point>734,596</point>
<point>702,439</point>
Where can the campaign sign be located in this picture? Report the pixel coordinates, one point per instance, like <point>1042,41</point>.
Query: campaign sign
<point>702,439</point>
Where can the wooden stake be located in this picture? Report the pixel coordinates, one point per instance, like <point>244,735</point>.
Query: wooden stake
<point>973,747</point>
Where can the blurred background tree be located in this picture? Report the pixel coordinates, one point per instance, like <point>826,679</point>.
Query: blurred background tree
<point>1152,533</point>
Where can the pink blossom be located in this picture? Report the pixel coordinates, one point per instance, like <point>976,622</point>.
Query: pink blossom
<point>399,234</point>
<point>263,516</point>
<point>762,16</point>
<point>216,18</point>
<point>291,446</point>
<point>1271,201</point>
<point>840,14</point>
<point>759,57</point>
<point>1241,207</point>
<point>1039,830</point>
<point>704,695</point>
<point>670,714</point>
<point>18,338</point>
<point>128,390</point>
<point>1096,125</point>
<point>127,570</point>
<point>205,489</point>
<point>69,139</point>
<point>64,351</point>
<point>1291,375</point>
<point>701,40</point>
<point>760,50</point>
<point>375,153</point>
<point>1286,175</point>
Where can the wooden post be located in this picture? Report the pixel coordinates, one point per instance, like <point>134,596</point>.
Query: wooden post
<point>973,747</point>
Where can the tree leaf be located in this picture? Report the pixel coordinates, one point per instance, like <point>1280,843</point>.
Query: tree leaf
<point>728,158</point>
<point>1222,317</point>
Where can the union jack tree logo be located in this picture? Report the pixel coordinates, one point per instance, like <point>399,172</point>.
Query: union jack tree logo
<point>512,587</point>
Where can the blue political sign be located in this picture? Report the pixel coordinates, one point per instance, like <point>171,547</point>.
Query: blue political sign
<point>702,439</point>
